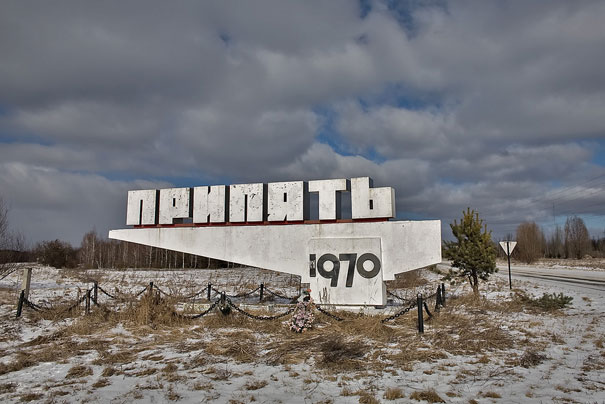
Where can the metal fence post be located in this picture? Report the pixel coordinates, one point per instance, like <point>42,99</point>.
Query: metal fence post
<point>420,318</point>
<point>443,294</point>
<point>262,288</point>
<point>95,291</point>
<point>438,298</point>
<point>209,290</point>
<point>151,289</point>
<point>20,304</point>
<point>88,301</point>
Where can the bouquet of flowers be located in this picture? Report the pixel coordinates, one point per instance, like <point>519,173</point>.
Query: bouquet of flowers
<point>303,317</point>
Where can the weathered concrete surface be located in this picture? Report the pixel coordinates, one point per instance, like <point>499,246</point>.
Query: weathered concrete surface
<point>141,208</point>
<point>174,204</point>
<point>329,196</point>
<point>287,201</point>
<point>209,204</point>
<point>368,202</point>
<point>247,203</point>
<point>399,245</point>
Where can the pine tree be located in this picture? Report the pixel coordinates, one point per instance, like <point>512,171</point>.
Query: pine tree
<point>473,253</point>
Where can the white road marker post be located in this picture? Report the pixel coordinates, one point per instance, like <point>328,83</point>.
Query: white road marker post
<point>27,279</point>
<point>508,247</point>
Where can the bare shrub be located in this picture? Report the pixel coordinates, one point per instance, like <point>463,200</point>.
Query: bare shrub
<point>531,242</point>
<point>11,244</point>
<point>56,253</point>
<point>577,239</point>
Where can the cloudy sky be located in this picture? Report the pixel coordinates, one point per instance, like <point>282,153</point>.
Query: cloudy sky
<point>496,105</point>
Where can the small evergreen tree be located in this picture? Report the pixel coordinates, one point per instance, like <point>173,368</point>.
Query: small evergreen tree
<point>473,253</point>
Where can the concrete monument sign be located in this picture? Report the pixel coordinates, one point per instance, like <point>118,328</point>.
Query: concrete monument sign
<point>268,226</point>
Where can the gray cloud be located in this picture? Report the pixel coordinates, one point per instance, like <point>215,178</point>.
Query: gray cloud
<point>467,103</point>
<point>47,203</point>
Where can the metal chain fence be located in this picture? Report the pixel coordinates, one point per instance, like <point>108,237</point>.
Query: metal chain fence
<point>224,301</point>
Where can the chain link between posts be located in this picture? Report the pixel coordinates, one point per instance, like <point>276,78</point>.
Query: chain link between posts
<point>37,307</point>
<point>399,313</point>
<point>280,296</point>
<point>412,303</point>
<point>327,313</point>
<point>257,317</point>
<point>180,297</point>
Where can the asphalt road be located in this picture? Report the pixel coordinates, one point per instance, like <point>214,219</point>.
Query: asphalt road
<point>580,280</point>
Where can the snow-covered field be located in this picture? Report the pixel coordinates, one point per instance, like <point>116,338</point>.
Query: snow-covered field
<point>496,350</point>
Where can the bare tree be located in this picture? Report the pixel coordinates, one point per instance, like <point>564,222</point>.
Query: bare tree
<point>11,244</point>
<point>531,242</point>
<point>577,239</point>
<point>555,247</point>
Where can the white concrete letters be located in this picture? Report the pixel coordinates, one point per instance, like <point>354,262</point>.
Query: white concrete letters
<point>329,197</point>
<point>174,204</point>
<point>141,207</point>
<point>286,201</point>
<point>246,203</point>
<point>367,202</point>
<point>345,262</point>
<point>209,204</point>
<point>253,203</point>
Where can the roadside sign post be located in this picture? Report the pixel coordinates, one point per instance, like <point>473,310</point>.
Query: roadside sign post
<point>508,247</point>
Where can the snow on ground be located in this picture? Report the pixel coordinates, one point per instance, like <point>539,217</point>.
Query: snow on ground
<point>494,350</point>
<point>586,264</point>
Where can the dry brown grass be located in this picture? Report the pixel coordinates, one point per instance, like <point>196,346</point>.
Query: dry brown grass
<point>153,310</point>
<point>146,372</point>
<point>346,392</point>
<point>427,395</point>
<point>475,325</point>
<point>31,397</point>
<point>116,358</point>
<point>255,384</point>
<point>203,386</point>
<point>101,383</point>
<point>172,395</point>
<point>530,359</point>
<point>491,394</point>
<point>7,388</point>
<point>338,352</point>
<point>367,398</point>
<point>56,351</point>
<point>393,393</point>
<point>78,371</point>
<point>241,347</point>
<point>108,371</point>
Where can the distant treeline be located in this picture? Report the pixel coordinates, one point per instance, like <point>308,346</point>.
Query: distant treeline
<point>571,241</point>
<point>95,252</point>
